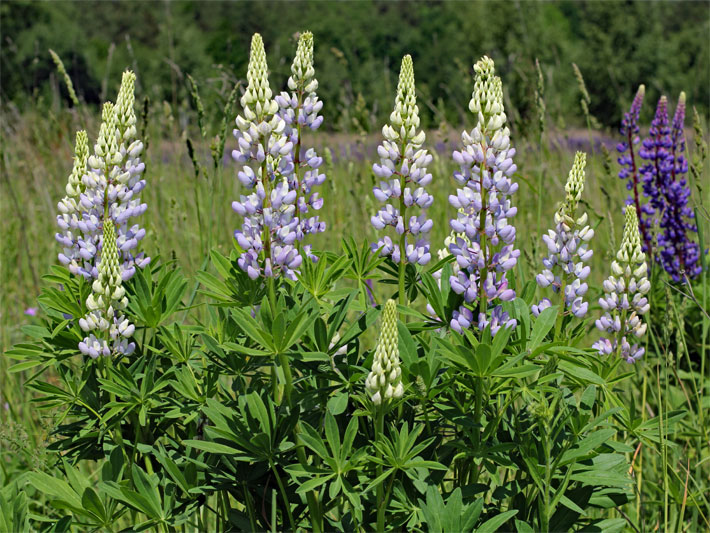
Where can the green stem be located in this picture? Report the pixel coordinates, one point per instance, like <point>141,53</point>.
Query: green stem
<point>379,428</point>
<point>311,496</point>
<point>297,159</point>
<point>482,298</point>
<point>284,496</point>
<point>545,518</point>
<point>402,239</point>
<point>477,412</point>
<point>561,312</point>
<point>540,180</point>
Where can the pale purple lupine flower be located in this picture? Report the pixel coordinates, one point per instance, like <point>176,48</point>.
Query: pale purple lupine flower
<point>624,300</point>
<point>105,185</point>
<point>485,243</point>
<point>565,270</point>
<point>270,226</point>
<point>403,173</point>
<point>299,109</point>
<point>31,311</point>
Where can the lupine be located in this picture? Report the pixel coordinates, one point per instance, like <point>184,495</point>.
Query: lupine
<point>403,173</point>
<point>486,251</point>
<point>270,226</point>
<point>108,329</point>
<point>567,245</point>
<point>677,253</point>
<point>69,208</point>
<point>627,158</point>
<point>656,172</point>
<point>624,300</point>
<point>384,382</point>
<point>105,185</point>
<point>300,109</point>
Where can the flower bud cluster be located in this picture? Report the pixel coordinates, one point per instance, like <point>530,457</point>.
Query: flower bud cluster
<point>624,300</point>
<point>105,185</point>
<point>108,329</point>
<point>269,229</point>
<point>565,270</point>
<point>385,379</point>
<point>300,109</point>
<point>485,249</point>
<point>403,171</point>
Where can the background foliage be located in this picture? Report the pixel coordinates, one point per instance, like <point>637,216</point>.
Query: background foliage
<point>359,45</point>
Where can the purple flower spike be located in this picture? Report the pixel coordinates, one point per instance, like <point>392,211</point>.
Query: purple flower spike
<point>299,109</point>
<point>483,240</point>
<point>656,172</point>
<point>270,225</point>
<point>107,183</point>
<point>568,250</point>
<point>628,157</point>
<point>678,254</point>
<point>403,175</point>
<point>624,300</point>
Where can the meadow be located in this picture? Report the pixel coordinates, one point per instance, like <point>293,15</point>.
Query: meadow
<point>203,426</point>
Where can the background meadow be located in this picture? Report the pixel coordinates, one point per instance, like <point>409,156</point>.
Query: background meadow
<point>553,111</point>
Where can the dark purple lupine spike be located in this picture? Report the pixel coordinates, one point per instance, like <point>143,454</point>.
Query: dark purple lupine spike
<point>656,149</point>
<point>677,253</point>
<point>629,166</point>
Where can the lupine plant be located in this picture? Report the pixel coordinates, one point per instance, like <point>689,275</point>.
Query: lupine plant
<point>109,329</point>
<point>269,229</point>
<point>665,219</point>
<point>568,251</point>
<point>484,207</point>
<point>624,301</point>
<point>280,395</point>
<point>403,169</point>
<point>679,254</point>
<point>628,154</point>
<point>299,109</point>
<point>105,185</point>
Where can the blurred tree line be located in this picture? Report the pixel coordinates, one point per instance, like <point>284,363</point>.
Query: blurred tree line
<point>359,44</point>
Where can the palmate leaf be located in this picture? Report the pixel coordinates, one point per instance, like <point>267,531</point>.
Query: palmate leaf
<point>151,301</point>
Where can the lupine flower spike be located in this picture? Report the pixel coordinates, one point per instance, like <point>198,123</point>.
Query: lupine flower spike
<point>105,185</point>
<point>678,254</point>
<point>485,245</point>
<point>627,150</point>
<point>403,171</point>
<point>69,208</point>
<point>624,300</point>
<point>109,330</point>
<point>270,227</point>
<point>656,172</point>
<point>385,379</point>
<point>565,271</point>
<point>300,109</point>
